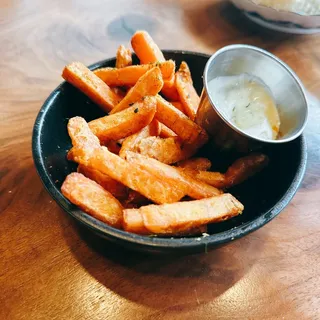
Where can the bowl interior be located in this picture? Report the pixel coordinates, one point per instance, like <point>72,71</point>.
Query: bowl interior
<point>263,196</point>
<point>283,83</point>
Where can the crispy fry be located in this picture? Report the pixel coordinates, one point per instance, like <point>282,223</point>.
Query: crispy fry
<point>133,222</point>
<point>126,122</point>
<point>93,199</point>
<point>101,159</point>
<point>187,93</point>
<point>129,76</point>
<point>81,134</point>
<point>166,132</point>
<point>239,171</point>
<point>179,123</point>
<point>83,140</point>
<point>203,164</point>
<point>245,167</point>
<point>182,216</point>
<point>148,85</point>
<point>136,164</point>
<point>85,80</point>
<point>145,48</point>
<point>116,188</point>
<point>178,105</point>
<point>124,57</point>
<point>130,143</point>
<point>215,179</point>
<point>168,150</point>
<point>169,89</point>
<point>142,181</point>
<point>191,187</point>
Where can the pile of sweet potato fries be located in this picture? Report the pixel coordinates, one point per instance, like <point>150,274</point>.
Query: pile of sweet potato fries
<point>136,167</point>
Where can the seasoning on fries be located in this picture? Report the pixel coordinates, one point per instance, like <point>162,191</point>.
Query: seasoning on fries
<point>145,48</point>
<point>196,164</point>
<point>131,142</point>
<point>125,123</point>
<point>182,216</point>
<point>148,85</point>
<point>124,57</point>
<point>167,150</point>
<point>117,189</point>
<point>93,199</point>
<point>138,167</point>
<point>187,93</point>
<point>129,76</point>
<point>180,124</point>
<point>86,81</point>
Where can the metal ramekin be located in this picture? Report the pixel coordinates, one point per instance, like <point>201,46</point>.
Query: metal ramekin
<point>284,84</point>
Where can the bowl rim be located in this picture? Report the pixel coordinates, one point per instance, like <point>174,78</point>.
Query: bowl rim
<point>162,244</point>
<point>277,60</point>
<point>284,11</point>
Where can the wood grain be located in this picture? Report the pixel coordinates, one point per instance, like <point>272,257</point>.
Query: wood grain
<point>51,269</point>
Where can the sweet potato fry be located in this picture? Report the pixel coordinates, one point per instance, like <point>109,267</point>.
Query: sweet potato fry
<point>133,222</point>
<point>86,81</point>
<point>203,164</point>
<point>191,187</point>
<point>166,132</point>
<point>145,48</point>
<point>151,186</point>
<point>239,171</point>
<point>93,199</point>
<point>148,85</point>
<point>116,188</point>
<point>124,57</point>
<point>178,105</point>
<point>130,143</point>
<point>179,123</point>
<point>182,216</point>
<point>245,167</point>
<point>187,93</point>
<point>168,150</point>
<point>100,158</point>
<point>83,140</point>
<point>126,122</point>
<point>80,133</point>
<point>129,76</point>
<point>169,89</point>
<point>215,179</point>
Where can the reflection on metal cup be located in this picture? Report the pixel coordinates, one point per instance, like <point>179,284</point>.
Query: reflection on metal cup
<point>285,87</point>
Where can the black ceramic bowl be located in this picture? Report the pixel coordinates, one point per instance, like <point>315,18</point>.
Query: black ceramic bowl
<point>263,196</point>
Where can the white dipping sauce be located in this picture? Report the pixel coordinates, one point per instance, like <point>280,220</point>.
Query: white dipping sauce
<point>248,103</point>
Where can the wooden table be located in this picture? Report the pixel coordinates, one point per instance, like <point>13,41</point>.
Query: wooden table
<point>51,269</point>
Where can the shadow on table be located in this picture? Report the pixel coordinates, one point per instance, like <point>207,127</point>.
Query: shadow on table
<point>159,281</point>
<point>220,23</point>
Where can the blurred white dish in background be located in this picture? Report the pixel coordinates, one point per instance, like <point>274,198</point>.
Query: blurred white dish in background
<point>292,16</point>
<point>303,7</point>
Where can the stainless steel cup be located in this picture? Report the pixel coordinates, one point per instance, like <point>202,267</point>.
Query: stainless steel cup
<point>284,84</point>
